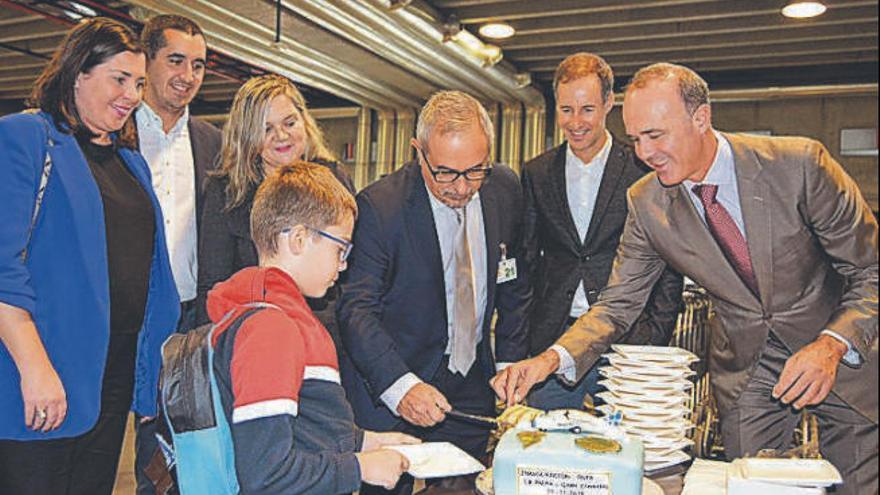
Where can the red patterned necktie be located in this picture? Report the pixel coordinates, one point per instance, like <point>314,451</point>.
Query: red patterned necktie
<point>727,235</point>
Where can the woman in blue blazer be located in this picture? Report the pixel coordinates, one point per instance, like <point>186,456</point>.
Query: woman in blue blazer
<point>86,291</point>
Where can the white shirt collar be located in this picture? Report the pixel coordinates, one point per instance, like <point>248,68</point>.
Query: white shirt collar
<point>722,170</point>
<point>147,116</point>
<point>600,158</point>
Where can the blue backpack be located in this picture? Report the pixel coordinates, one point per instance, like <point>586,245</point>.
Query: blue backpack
<point>200,451</point>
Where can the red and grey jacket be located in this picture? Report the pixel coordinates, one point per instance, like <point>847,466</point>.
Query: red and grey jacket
<point>278,375</point>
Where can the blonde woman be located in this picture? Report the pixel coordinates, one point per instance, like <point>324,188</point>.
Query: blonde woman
<point>269,127</point>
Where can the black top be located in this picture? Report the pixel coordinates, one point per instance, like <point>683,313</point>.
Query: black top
<point>130,228</point>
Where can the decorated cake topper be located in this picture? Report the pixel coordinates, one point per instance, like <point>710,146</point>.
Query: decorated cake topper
<point>529,438</point>
<point>598,445</point>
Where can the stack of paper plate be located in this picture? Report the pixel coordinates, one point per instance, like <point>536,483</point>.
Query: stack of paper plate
<point>650,387</point>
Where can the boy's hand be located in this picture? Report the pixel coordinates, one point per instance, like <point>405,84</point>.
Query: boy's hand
<point>423,405</point>
<point>382,467</point>
<point>375,440</point>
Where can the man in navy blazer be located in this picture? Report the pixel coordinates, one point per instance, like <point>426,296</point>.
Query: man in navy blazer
<point>411,354</point>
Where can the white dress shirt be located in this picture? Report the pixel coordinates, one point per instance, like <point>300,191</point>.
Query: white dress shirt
<point>582,181</point>
<point>446,221</point>
<point>171,164</point>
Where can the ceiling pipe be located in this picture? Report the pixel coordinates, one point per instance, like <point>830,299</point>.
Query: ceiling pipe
<point>377,31</point>
<point>248,40</point>
<point>423,23</point>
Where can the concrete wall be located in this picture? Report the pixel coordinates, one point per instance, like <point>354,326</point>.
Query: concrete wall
<point>821,118</point>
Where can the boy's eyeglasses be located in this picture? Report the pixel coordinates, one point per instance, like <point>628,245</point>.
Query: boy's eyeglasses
<point>447,176</point>
<point>346,245</point>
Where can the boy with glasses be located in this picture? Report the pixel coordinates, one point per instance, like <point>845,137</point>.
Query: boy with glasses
<point>277,372</point>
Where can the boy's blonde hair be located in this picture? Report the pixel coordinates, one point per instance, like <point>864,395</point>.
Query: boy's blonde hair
<point>300,194</point>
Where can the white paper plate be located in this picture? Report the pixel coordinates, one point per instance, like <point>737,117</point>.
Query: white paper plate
<point>655,353</point>
<point>635,404</point>
<point>669,399</point>
<point>484,485</point>
<point>437,460</point>
<point>620,361</point>
<point>650,373</point>
<point>658,379</point>
<point>664,462</point>
<point>646,387</point>
<point>796,472</point>
<point>662,447</point>
<point>652,418</point>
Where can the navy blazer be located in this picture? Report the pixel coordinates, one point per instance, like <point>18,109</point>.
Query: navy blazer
<point>392,313</point>
<point>64,284</point>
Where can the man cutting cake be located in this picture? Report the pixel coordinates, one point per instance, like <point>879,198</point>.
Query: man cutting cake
<point>786,247</point>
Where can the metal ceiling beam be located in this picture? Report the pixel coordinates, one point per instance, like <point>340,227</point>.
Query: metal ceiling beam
<point>797,52</point>
<point>588,32</point>
<point>837,57</point>
<point>483,12</point>
<point>547,12</point>
<point>766,38</point>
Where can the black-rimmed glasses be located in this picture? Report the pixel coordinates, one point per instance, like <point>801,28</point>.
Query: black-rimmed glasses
<point>346,245</point>
<point>445,176</point>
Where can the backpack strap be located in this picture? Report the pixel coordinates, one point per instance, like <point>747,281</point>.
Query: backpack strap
<point>185,379</point>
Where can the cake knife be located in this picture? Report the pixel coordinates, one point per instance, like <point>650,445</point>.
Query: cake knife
<point>486,420</point>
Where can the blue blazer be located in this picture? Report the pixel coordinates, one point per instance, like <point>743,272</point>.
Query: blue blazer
<point>392,312</point>
<point>64,283</point>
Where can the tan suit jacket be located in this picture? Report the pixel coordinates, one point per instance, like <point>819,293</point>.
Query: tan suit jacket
<point>813,244</point>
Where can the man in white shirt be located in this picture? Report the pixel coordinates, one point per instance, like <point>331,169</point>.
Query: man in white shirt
<point>575,208</point>
<point>436,249</point>
<point>785,246</point>
<point>179,150</point>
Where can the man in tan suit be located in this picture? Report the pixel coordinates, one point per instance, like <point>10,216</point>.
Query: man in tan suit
<point>785,245</point>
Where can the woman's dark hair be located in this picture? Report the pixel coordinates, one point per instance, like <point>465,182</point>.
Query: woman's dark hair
<point>91,42</point>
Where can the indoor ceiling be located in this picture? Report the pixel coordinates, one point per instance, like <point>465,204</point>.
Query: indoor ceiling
<point>733,43</point>
<point>389,53</point>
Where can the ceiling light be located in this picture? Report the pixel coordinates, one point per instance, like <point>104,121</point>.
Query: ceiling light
<point>803,9</point>
<point>497,30</point>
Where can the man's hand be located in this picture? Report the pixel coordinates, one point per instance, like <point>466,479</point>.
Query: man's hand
<point>810,373</point>
<point>514,382</point>
<point>375,440</point>
<point>423,406</point>
<point>382,467</point>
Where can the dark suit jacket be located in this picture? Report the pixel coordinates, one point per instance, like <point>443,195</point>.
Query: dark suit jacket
<point>561,260</point>
<point>392,313</point>
<point>225,246</point>
<point>813,244</point>
<point>205,140</point>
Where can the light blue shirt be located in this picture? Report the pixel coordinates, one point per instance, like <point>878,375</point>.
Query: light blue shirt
<point>582,181</point>
<point>446,221</point>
